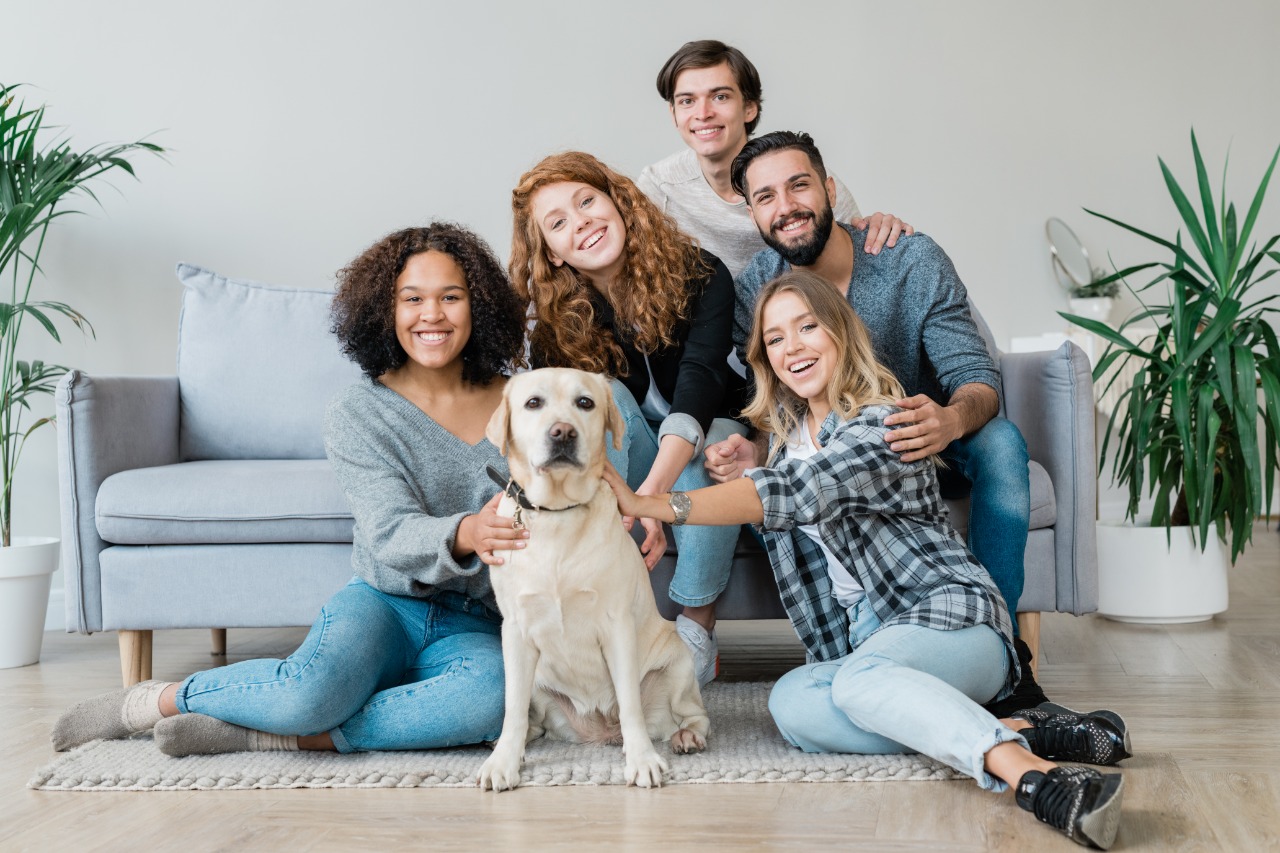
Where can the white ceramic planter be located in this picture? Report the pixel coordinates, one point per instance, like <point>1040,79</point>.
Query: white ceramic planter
<point>25,569</point>
<point>1092,308</point>
<point>1143,577</point>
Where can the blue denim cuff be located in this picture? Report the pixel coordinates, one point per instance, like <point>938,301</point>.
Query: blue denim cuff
<point>1001,735</point>
<point>340,742</point>
<point>684,426</point>
<point>180,697</point>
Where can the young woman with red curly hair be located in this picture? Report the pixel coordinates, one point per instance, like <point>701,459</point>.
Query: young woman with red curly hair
<point>617,289</point>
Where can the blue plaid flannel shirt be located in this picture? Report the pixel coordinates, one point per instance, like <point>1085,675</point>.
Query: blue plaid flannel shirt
<point>886,522</point>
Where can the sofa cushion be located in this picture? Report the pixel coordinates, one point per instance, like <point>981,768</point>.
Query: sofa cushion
<point>236,502</point>
<point>257,366</point>
<point>1044,505</point>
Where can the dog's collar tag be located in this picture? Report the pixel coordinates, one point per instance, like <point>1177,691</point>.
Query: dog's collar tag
<point>511,489</point>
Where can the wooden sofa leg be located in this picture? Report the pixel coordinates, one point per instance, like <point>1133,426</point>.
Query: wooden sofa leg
<point>135,656</point>
<point>219,642</point>
<point>1029,630</point>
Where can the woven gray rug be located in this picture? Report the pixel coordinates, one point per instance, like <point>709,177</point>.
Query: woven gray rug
<point>743,746</point>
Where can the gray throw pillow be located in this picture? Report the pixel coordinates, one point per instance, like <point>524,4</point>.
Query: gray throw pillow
<point>257,366</point>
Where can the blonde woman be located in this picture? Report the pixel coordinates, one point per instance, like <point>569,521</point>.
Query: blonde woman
<point>907,630</point>
<point>616,289</point>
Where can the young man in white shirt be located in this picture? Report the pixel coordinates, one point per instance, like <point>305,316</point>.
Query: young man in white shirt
<point>714,94</point>
<point>715,97</point>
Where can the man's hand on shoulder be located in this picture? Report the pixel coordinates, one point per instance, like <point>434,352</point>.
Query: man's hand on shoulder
<point>925,428</point>
<point>883,231</point>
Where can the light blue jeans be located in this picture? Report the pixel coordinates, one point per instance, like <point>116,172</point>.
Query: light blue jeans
<point>376,671</point>
<point>904,688</point>
<point>991,467</point>
<point>705,553</point>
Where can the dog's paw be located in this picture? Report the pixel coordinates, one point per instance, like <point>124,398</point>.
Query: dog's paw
<point>645,770</point>
<point>686,740</point>
<point>499,773</point>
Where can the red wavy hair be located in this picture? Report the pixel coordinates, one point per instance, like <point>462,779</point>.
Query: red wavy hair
<point>651,294</point>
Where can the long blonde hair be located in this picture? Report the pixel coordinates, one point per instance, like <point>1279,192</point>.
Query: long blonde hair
<point>650,297</point>
<point>859,379</point>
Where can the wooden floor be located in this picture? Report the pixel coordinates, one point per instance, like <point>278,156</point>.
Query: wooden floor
<point>1202,701</point>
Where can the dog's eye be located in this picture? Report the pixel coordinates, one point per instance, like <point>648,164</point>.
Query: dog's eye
<point>586,404</point>
<point>533,403</point>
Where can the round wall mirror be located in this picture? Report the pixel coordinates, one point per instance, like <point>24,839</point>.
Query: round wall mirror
<point>1070,259</point>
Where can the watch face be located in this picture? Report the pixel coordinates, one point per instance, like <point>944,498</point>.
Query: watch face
<point>680,506</point>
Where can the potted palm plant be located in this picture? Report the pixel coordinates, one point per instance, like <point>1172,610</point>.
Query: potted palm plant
<point>1199,427</point>
<point>40,178</point>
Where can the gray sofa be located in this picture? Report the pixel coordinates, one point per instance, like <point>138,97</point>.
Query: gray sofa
<point>203,500</point>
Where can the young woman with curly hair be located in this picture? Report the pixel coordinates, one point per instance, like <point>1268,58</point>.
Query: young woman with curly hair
<point>907,630</point>
<point>407,655</point>
<point>617,289</point>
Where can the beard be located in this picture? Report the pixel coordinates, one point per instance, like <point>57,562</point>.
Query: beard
<point>805,252</point>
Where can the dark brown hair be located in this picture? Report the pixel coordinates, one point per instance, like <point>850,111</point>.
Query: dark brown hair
<point>779,140</point>
<point>709,53</point>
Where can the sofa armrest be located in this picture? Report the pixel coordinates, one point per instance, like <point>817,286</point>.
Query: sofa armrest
<point>106,424</point>
<point>1049,396</point>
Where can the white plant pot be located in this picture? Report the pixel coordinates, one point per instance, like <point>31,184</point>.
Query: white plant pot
<point>1094,308</point>
<point>1144,577</point>
<point>25,569</point>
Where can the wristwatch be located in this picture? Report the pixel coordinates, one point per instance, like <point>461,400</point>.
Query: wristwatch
<point>680,505</point>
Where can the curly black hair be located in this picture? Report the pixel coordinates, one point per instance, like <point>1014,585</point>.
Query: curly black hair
<point>364,305</point>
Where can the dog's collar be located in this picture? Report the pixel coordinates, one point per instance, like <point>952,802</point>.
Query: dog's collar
<point>515,491</point>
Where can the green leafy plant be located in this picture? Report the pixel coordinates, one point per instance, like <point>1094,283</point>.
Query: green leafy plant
<point>1101,285</point>
<point>1188,425</point>
<point>38,181</point>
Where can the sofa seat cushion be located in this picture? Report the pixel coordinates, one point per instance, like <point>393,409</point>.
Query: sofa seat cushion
<point>224,502</point>
<point>1044,506</point>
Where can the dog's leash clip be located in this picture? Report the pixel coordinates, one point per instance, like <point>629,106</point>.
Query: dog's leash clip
<point>511,490</point>
<point>517,522</point>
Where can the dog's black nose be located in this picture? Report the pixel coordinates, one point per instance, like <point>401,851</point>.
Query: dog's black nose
<point>562,432</point>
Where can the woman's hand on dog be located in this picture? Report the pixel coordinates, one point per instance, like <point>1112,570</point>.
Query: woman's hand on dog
<point>487,533</point>
<point>632,505</point>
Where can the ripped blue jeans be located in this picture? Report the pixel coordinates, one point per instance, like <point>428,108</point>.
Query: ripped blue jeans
<point>704,552</point>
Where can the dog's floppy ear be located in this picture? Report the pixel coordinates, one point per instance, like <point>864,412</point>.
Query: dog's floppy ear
<point>613,415</point>
<point>498,430</point>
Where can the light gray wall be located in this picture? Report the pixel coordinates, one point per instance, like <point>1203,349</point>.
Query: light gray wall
<point>302,131</point>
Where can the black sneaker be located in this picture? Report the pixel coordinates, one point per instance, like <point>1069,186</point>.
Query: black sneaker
<point>1079,801</point>
<point>1061,734</point>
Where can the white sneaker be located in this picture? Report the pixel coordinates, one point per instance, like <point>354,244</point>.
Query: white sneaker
<point>702,644</point>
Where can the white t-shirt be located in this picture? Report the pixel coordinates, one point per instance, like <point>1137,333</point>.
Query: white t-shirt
<point>845,589</point>
<point>723,228</point>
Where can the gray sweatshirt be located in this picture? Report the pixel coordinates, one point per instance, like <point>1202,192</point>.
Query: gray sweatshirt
<point>914,306</point>
<point>409,482</point>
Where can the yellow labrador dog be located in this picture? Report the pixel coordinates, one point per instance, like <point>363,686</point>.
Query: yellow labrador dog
<point>588,657</point>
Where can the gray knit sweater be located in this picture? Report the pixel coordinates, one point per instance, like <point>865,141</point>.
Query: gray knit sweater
<point>914,306</point>
<point>409,482</point>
